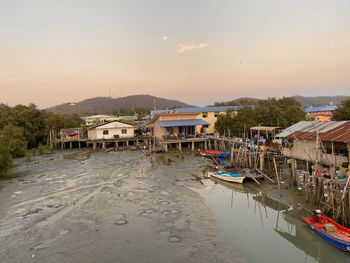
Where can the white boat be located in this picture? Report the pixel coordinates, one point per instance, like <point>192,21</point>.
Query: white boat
<point>227,176</point>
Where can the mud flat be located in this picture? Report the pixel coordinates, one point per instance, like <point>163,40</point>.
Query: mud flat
<point>111,207</point>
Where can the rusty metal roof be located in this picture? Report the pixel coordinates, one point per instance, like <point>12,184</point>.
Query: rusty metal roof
<point>336,131</point>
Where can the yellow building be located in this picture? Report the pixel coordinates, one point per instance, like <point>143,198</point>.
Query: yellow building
<point>207,114</point>
<point>324,113</point>
<point>178,125</point>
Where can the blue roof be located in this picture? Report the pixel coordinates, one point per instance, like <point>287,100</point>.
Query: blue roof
<point>320,109</point>
<point>178,123</point>
<point>208,109</point>
<point>197,109</point>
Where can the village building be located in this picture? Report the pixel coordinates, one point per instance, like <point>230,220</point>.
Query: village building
<point>171,129</point>
<point>326,143</point>
<point>178,125</point>
<point>324,113</point>
<point>98,119</point>
<point>111,130</point>
<point>72,134</point>
<point>207,114</point>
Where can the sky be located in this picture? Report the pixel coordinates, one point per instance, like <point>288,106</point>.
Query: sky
<point>196,51</point>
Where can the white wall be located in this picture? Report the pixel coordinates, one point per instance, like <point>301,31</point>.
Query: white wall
<point>96,134</point>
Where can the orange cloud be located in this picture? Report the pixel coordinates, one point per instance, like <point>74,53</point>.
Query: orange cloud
<point>188,47</point>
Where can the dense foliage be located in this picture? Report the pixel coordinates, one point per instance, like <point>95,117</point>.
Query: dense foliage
<point>26,127</point>
<point>270,112</point>
<point>342,113</point>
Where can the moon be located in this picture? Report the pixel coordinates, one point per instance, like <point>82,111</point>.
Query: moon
<point>165,38</point>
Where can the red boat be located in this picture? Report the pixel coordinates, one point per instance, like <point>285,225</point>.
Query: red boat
<point>331,231</point>
<point>214,153</point>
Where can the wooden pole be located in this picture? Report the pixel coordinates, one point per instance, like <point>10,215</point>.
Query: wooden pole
<point>277,176</point>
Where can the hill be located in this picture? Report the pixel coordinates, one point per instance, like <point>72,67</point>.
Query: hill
<point>304,101</point>
<point>123,105</point>
<point>319,100</point>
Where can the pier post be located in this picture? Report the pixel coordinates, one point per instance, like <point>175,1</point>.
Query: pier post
<point>215,144</point>
<point>180,147</point>
<point>103,145</point>
<point>70,145</point>
<point>209,144</point>
<point>205,145</point>
<point>127,143</point>
<point>293,164</point>
<point>166,147</point>
<point>192,146</point>
<point>94,146</point>
<point>231,156</point>
<point>261,161</point>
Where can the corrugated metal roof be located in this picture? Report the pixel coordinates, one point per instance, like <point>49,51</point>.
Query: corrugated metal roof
<point>296,127</point>
<point>180,123</point>
<point>337,131</point>
<point>338,134</point>
<point>320,109</point>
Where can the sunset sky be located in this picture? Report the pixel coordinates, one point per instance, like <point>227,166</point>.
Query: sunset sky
<point>197,51</point>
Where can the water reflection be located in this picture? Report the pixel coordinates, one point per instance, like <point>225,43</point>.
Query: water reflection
<point>265,230</point>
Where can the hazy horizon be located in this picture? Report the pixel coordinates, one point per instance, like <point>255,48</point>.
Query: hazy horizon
<point>198,52</point>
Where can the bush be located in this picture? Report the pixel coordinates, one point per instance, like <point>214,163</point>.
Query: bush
<point>44,149</point>
<point>5,160</point>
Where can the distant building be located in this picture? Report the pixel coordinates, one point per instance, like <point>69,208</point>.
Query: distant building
<point>207,114</point>
<point>72,134</point>
<point>98,119</point>
<point>111,130</point>
<point>324,113</point>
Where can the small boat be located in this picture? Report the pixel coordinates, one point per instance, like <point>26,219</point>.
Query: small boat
<point>214,153</point>
<point>331,231</point>
<point>227,176</point>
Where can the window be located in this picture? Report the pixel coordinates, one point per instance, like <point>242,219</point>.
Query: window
<point>205,114</point>
<point>124,131</point>
<point>216,114</point>
<point>105,132</point>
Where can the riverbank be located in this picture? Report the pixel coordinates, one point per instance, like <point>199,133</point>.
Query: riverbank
<point>111,207</point>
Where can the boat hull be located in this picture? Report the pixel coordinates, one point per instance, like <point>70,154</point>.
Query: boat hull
<point>329,236</point>
<point>227,178</point>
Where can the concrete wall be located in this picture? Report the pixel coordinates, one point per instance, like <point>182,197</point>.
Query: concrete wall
<point>172,117</point>
<point>97,134</point>
<point>306,150</point>
<point>211,119</point>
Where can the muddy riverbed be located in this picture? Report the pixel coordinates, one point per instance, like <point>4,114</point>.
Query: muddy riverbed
<point>126,207</point>
<point>111,207</point>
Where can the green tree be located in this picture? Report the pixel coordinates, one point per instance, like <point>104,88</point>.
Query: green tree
<point>342,113</point>
<point>5,158</point>
<point>14,138</point>
<point>141,113</point>
<point>224,123</point>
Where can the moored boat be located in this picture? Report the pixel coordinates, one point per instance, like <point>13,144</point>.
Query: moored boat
<point>227,176</point>
<point>214,153</point>
<point>331,231</point>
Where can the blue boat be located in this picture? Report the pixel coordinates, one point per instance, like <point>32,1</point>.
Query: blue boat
<point>331,231</point>
<point>228,176</point>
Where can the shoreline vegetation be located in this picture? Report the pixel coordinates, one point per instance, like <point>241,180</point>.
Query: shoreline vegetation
<point>24,132</point>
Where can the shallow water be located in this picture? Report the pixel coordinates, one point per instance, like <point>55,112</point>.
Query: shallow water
<point>265,230</point>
